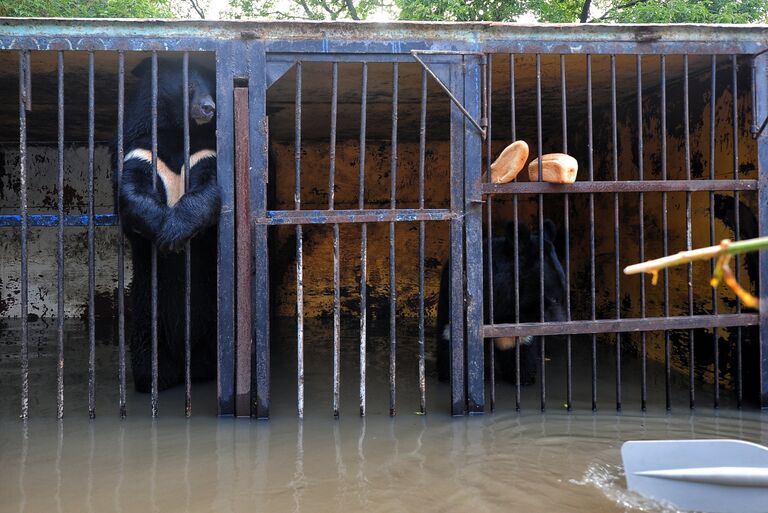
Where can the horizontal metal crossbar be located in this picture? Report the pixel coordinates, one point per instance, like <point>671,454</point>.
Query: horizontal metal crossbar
<point>619,186</point>
<point>619,325</point>
<point>11,220</point>
<point>289,217</point>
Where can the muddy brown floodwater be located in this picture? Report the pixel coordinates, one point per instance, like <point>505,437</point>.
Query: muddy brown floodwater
<point>505,461</point>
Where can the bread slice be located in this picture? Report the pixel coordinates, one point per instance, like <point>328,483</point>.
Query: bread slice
<point>556,168</point>
<point>510,162</point>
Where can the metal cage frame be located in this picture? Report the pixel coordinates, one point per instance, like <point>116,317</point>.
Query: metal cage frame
<point>250,56</point>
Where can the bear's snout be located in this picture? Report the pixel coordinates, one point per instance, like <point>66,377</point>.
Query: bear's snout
<point>204,111</point>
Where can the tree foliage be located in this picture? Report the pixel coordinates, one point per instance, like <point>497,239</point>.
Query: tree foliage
<point>87,8</point>
<point>457,10</point>
<point>687,11</point>
<point>553,11</point>
<point>305,9</point>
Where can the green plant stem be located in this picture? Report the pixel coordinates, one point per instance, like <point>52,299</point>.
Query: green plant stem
<point>724,248</point>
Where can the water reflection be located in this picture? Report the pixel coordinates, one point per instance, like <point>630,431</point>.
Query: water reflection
<point>91,451</point>
<point>23,465</point>
<point>59,449</point>
<point>298,483</point>
<point>187,459</point>
<point>528,462</point>
<point>118,502</point>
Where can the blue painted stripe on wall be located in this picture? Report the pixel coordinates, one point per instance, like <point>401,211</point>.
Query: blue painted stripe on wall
<point>52,220</point>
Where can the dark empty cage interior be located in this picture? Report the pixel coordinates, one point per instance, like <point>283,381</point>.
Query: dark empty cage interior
<point>623,118</point>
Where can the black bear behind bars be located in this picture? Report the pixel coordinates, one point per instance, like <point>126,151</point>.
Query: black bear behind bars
<point>168,216</point>
<point>504,299</point>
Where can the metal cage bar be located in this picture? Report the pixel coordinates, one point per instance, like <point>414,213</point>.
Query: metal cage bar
<point>363,238</point>
<point>91,244</point>
<point>60,241</point>
<point>392,282</point>
<point>336,262</point>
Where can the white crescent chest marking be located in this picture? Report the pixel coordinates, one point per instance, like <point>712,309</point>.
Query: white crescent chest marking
<point>172,182</point>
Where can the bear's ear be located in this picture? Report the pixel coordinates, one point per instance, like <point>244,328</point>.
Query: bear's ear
<point>143,69</point>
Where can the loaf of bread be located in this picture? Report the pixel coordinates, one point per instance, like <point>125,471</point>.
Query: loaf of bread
<point>510,162</point>
<point>556,167</point>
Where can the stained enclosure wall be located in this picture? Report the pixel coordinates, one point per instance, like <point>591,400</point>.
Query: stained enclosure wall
<point>318,277</point>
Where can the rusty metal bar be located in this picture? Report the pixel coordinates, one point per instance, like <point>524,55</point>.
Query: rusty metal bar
<point>624,186</point>
<point>472,76</point>
<point>392,283</point>
<point>187,251</point>
<point>712,107</point>
<point>736,215</point>
<point>624,325</point>
<point>665,249</point>
<point>688,230</point>
<point>422,156</point>
<point>91,245</point>
<point>760,130</point>
<point>231,61</point>
<point>299,251</point>
<point>737,209</point>
<point>153,303</point>
<point>540,198</point>
<point>489,233</point>
<point>244,244</point>
<point>120,235</point>
<point>458,305</point>
<point>24,356</point>
<point>259,184</point>
<point>567,228</point>
<point>591,227</point>
<point>616,243</point>
<point>447,90</point>
<point>60,240</point>
<point>754,130</point>
<point>336,263</point>
<point>515,230</point>
<point>512,122</point>
<point>363,237</point>
<point>762,170</point>
<point>360,215</point>
<point>28,78</point>
<point>641,207</point>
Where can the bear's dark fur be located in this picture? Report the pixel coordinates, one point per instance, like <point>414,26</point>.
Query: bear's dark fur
<point>504,298</point>
<point>168,219</point>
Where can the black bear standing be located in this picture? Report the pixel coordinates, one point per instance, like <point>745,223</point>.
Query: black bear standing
<point>504,299</point>
<point>169,217</point>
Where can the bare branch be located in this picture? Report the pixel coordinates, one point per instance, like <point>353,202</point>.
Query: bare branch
<point>327,9</point>
<point>618,8</point>
<point>585,11</point>
<point>198,9</point>
<point>309,12</point>
<point>352,11</point>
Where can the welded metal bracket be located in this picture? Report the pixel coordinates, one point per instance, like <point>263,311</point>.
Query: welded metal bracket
<point>483,124</point>
<point>754,130</point>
